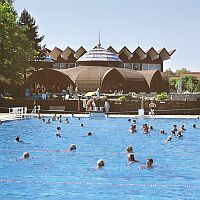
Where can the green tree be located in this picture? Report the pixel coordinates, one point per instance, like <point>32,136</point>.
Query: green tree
<point>190,83</point>
<point>15,48</point>
<point>173,84</point>
<point>169,71</point>
<point>31,30</point>
<point>181,71</point>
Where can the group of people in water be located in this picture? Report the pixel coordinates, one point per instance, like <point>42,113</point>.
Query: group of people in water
<point>100,163</point>
<point>146,129</point>
<point>129,150</point>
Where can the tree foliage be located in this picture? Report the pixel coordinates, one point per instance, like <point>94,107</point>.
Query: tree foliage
<point>169,71</point>
<point>16,49</point>
<point>189,83</point>
<point>31,31</point>
<point>181,71</point>
<point>173,83</point>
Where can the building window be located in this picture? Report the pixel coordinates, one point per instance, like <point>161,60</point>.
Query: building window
<point>136,66</point>
<point>71,65</point>
<point>146,66</point>
<point>128,65</point>
<point>64,65</point>
<point>56,65</point>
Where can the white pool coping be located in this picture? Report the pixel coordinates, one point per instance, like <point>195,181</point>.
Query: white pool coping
<point>7,117</point>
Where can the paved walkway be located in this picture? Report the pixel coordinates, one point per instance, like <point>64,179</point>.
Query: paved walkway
<point>7,117</point>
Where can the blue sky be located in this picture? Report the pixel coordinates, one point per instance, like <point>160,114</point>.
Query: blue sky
<point>173,24</point>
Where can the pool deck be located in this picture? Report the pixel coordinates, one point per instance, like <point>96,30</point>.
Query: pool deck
<point>10,117</point>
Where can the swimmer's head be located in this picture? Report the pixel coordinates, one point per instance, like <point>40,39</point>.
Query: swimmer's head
<point>149,162</point>
<point>100,163</point>
<point>172,132</point>
<point>25,155</point>
<point>17,139</point>
<point>58,128</point>
<point>129,149</point>
<point>89,133</point>
<point>194,125</point>
<point>151,127</point>
<point>82,125</point>
<point>129,120</point>
<point>72,147</point>
<point>162,131</point>
<point>131,157</point>
<point>169,138</point>
<point>58,134</point>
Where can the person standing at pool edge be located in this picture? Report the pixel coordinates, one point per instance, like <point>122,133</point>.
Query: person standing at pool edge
<point>152,106</point>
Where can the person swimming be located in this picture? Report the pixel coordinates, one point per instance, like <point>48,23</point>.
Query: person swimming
<point>17,139</point>
<point>100,164</point>
<point>43,120</point>
<point>148,164</point>
<point>179,134</point>
<point>169,138</point>
<point>162,131</point>
<point>66,121</point>
<point>81,125</point>
<point>132,129</point>
<point>54,118</point>
<point>194,126</point>
<point>151,127</point>
<point>129,149</point>
<point>129,120</point>
<point>173,132</point>
<point>25,155</point>
<point>72,147</point>
<point>131,158</point>
<point>58,128</point>
<point>183,128</point>
<point>39,116</point>
<point>48,121</point>
<point>89,133</point>
<point>145,128</point>
<point>58,134</point>
<point>175,128</point>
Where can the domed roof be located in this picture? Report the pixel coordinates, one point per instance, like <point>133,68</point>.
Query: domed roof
<point>99,54</point>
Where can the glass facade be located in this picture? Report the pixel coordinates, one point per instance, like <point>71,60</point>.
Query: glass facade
<point>64,65</point>
<point>147,66</point>
<point>134,66</point>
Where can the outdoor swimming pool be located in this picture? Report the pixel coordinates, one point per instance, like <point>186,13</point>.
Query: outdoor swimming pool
<point>52,174</point>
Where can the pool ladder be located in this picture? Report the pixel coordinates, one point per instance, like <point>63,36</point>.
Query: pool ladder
<point>36,109</point>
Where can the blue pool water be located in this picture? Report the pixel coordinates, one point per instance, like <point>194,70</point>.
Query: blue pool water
<point>53,174</point>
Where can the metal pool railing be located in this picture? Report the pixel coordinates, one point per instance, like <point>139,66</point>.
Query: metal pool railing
<point>18,112</point>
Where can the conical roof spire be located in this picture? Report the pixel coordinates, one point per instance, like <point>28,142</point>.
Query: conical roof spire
<point>99,44</point>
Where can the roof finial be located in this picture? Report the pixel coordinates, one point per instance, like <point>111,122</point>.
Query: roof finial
<point>99,44</point>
